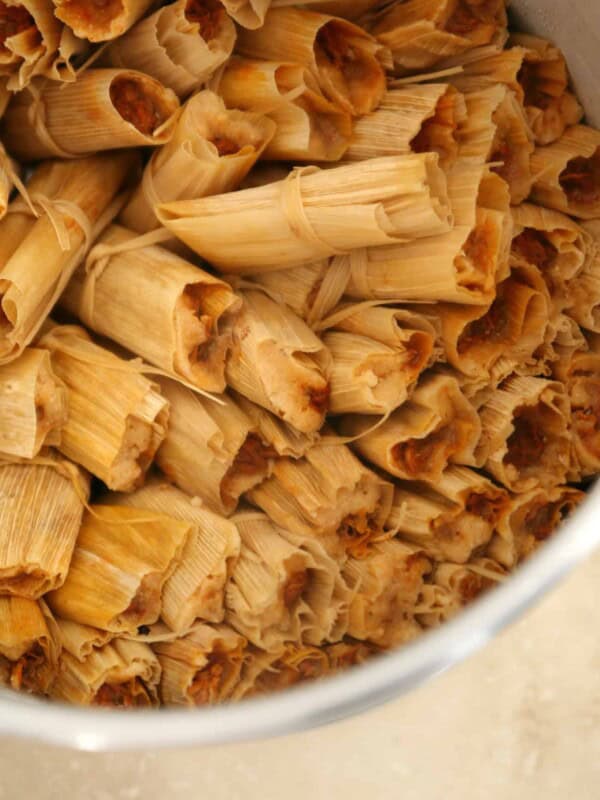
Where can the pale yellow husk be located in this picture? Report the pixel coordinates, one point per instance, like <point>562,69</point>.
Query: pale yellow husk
<point>420,118</point>
<point>211,450</point>
<point>533,518</point>
<point>452,519</point>
<point>315,214</point>
<point>100,23</point>
<point>203,668</point>
<point>195,590</point>
<point>122,560</point>
<point>553,164</point>
<point>279,363</point>
<point>117,417</point>
<point>343,57</point>
<point>284,439</point>
<point>309,127</point>
<point>174,49</point>
<point>41,506</point>
<point>280,668</point>
<point>49,119</point>
<point>583,288</point>
<point>29,645</point>
<point>437,426</point>
<point>74,196</point>
<point>328,495</point>
<point>119,674</point>
<point>158,305</point>
<point>247,13</point>
<point>9,172</point>
<point>525,441</point>
<point>33,405</point>
<point>190,165</point>
<point>564,338</point>
<point>81,640</point>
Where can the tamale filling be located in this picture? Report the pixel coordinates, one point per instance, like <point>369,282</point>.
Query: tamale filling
<point>208,14</point>
<point>474,19</point>
<point>91,13</point>
<point>31,672</point>
<point>437,134</point>
<point>13,20</point>
<point>527,443</point>
<point>207,682</point>
<point>539,91</point>
<point>130,694</point>
<point>137,104</point>
<point>419,456</point>
<point>535,248</point>
<point>294,586</point>
<point>489,329</point>
<point>580,180</point>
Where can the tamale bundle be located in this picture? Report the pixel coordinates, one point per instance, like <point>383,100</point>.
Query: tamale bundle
<point>281,438</point>
<point>211,150</point>
<point>181,44</point>
<point>75,202</point>
<point>117,417</point>
<point>9,172</point>
<point>33,405</point>
<point>81,640</point>
<point>97,23</point>
<point>202,668</point>
<point>247,13</point>
<point>183,325</point>
<point>348,9</point>
<point>41,507</point>
<point>314,214</point>
<point>583,287</point>
<point>29,645</point>
<point>280,668</point>
<point>104,109</point>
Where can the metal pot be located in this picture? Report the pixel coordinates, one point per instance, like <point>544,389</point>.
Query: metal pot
<point>575,26</point>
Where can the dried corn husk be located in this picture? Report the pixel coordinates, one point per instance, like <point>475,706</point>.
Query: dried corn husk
<point>33,405</point>
<point>309,127</point>
<point>41,506</point>
<point>567,173</point>
<point>104,109</point>
<point>454,586</point>
<point>583,288</point>
<point>201,669</point>
<point>211,151</point>
<point>181,45</point>
<point>563,339</point>
<point>29,645</point>
<point>38,256</point>
<point>276,434</point>
<point>195,590</point>
<point>121,674</point>
<point>525,441</point>
<point>183,322</point>
<point>420,118</point>
<point>452,520</point>
<point>81,640</point>
<point>314,214</point>
<point>327,494</point>
<point>387,585</point>
<point>212,450</point>
<point>347,653</point>
<point>348,9</point>
<point>123,558</point>
<point>117,417</point>
<point>9,173</point>
<point>343,57</point>
<point>421,33</point>
<point>247,13</point>
<point>279,363</point>
<point>533,518</point>
<point>285,666</point>
<point>435,427</point>
<point>100,23</point>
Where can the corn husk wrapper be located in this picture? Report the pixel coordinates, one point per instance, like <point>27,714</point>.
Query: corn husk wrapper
<point>525,441</point>
<point>564,338</point>
<point>582,290</point>
<point>533,518</point>
<point>181,45</point>
<point>452,519</point>
<point>9,172</point>
<point>121,674</point>
<point>314,214</point>
<point>33,405</point>
<point>387,587</point>
<point>29,645</point>
<point>343,57</point>
<point>195,590</point>
<point>328,495</point>
<point>81,640</point>
<point>183,322</point>
<point>348,9</point>
<point>280,668</point>
<point>211,151</point>
<point>247,13</point>
<point>212,450</point>
<point>100,24</point>
<point>421,33</point>
<point>123,559</point>
<point>555,244</point>
<point>277,435</point>
<point>75,203</point>
<point>461,266</point>
<point>278,363</point>
<point>419,119</point>
<point>567,173</point>
<point>348,653</point>
<point>435,427</point>
<point>117,418</point>
<point>41,506</point>
<point>201,669</point>
<point>308,126</point>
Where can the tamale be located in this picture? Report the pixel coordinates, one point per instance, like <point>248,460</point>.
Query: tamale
<point>122,560</point>
<point>117,417</point>
<point>348,652</point>
<point>247,13</point>
<point>582,289</point>
<point>29,645</point>
<point>280,668</point>
<point>454,586</point>
<point>100,23</point>
<point>348,9</point>
<point>33,405</point>
<point>283,439</point>
<point>41,507</point>
<point>81,640</point>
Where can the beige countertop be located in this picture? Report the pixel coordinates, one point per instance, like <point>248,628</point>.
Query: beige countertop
<point>518,721</point>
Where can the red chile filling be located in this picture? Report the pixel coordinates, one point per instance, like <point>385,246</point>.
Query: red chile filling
<point>542,521</point>
<point>469,14</point>
<point>486,507</point>
<point>587,421</point>
<point>208,14</point>
<point>96,13</point>
<point>535,248</point>
<point>580,180</point>
<point>478,249</point>
<point>13,20</point>
<point>225,146</point>
<point>332,44</point>
<point>131,694</point>
<point>528,441</point>
<point>253,456</point>
<point>437,130</point>
<point>508,155</point>
<point>418,456</point>
<point>529,79</point>
<point>27,673</point>
<point>136,106</point>
<point>207,683</point>
<point>356,530</point>
<point>491,328</point>
<point>318,399</point>
<point>294,587</point>
<point>471,586</point>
